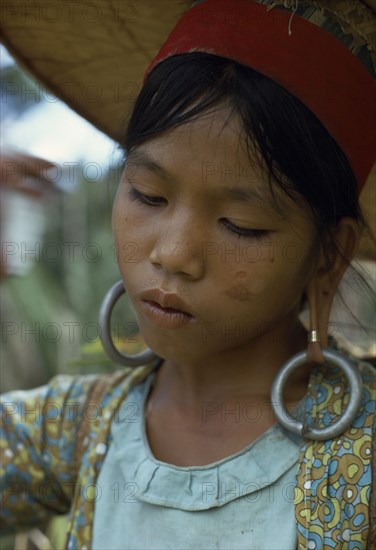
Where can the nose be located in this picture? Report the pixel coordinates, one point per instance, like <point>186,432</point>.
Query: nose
<point>178,248</point>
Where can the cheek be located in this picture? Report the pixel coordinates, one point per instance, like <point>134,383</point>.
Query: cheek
<point>118,214</point>
<point>270,281</point>
<point>125,236</point>
<point>241,288</point>
<point>126,225</point>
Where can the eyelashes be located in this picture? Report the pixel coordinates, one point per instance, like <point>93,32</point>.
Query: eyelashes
<point>141,198</point>
<point>245,232</point>
<point>154,201</point>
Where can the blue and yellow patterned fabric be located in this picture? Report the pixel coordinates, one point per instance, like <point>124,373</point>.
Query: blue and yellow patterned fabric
<point>334,479</point>
<point>54,440</point>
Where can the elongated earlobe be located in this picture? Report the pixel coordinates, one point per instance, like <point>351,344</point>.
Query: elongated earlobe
<point>314,351</point>
<point>323,285</point>
<point>315,335</point>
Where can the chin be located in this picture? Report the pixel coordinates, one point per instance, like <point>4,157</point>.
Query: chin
<point>171,349</point>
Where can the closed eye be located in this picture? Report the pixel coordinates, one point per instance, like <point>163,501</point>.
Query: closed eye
<point>244,231</point>
<point>150,200</point>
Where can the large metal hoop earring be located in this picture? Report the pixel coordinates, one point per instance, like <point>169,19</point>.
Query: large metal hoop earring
<point>337,428</point>
<point>109,301</point>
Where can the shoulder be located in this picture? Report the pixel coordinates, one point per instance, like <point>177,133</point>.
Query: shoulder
<point>63,388</point>
<point>336,474</point>
<point>367,372</point>
<point>110,388</point>
<point>368,376</point>
<point>62,404</point>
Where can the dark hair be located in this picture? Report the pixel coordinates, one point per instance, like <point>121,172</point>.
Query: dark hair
<point>298,152</point>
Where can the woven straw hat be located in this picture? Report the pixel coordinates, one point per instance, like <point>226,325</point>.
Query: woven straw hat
<point>93,55</point>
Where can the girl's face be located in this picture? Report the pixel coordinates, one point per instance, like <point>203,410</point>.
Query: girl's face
<point>197,230</point>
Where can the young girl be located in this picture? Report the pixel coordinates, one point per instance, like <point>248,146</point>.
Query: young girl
<point>244,157</point>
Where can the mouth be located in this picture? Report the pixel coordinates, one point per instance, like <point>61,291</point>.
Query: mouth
<point>166,310</point>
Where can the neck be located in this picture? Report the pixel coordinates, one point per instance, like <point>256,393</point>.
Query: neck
<point>246,372</point>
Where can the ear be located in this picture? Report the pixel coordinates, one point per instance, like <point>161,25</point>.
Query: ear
<point>324,282</point>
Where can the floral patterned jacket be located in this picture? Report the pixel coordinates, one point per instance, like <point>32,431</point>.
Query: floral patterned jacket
<point>54,440</point>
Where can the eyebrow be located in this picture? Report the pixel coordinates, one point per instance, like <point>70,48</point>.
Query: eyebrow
<point>143,159</point>
<point>253,197</point>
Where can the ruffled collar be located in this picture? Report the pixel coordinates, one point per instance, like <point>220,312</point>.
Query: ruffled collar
<point>256,466</point>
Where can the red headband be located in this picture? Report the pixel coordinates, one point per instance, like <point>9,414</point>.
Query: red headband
<point>310,63</point>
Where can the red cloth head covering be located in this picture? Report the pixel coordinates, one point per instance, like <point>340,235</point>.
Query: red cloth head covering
<point>310,63</point>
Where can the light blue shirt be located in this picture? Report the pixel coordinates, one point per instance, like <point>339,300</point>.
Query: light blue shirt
<point>244,501</point>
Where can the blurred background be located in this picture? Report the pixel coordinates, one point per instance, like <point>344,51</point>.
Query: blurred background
<point>59,176</point>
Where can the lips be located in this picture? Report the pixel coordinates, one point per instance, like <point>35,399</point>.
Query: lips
<point>166,309</point>
<point>166,300</point>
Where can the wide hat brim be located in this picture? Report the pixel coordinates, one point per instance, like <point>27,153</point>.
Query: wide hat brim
<point>94,55</point>
<point>91,55</point>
